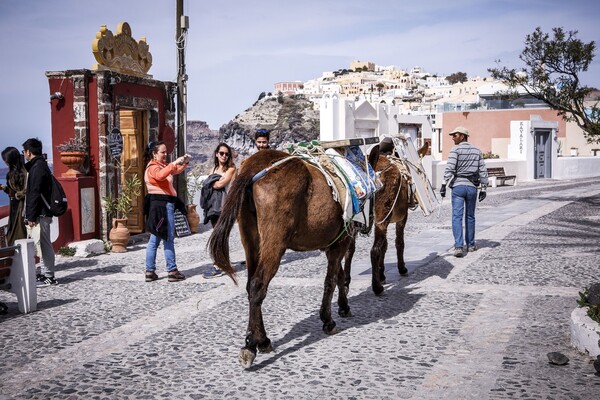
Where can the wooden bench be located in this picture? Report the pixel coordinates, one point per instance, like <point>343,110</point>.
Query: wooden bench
<point>497,176</point>
<point>17,273</point>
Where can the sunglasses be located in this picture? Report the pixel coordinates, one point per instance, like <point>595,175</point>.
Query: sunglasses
<point>261,131</point>
<point>224,153</point>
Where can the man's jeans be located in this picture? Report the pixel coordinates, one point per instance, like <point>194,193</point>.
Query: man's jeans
<point>463,197</point>
<point>40,234</point>
<point>169,244</point>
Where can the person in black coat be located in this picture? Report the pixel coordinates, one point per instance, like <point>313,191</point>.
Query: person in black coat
<point>38,218</point>
<point>16,180</point>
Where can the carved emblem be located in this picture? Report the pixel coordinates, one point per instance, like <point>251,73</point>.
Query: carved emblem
<point>121,52</point>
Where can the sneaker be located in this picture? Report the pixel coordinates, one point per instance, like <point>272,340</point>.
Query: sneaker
<point>43,281</point>
<point>472,248</point>
<point>213,272</point>
<point>151,276</point>
<point>458,252</point>
<point>175,276</point>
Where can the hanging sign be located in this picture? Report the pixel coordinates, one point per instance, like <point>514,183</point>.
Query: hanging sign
<point>115,143</point>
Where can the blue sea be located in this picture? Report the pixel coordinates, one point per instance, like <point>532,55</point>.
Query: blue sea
<point>3,196</point>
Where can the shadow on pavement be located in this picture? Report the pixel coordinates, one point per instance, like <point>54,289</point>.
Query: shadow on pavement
<point>395,300</point>
<point>13,307</point>
<point>110,269</point>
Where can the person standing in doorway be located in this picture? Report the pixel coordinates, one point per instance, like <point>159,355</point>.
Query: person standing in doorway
<point>465,171</point>
<point>38,217</point>
<point>16,180</point>
<point>159,207</point>
<point>261,139</point>
<point>214,191</point>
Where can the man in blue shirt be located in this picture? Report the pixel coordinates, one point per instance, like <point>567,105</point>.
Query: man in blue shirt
<point>465,171</point>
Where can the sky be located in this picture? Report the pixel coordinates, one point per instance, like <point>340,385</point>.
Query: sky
<point>237,49</point>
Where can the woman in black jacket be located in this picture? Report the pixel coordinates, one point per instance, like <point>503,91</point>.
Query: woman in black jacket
<point>16,180</point>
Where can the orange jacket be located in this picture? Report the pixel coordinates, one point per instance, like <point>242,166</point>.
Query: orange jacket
<point>159,177</point>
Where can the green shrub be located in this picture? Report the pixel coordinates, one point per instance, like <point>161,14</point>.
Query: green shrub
<point>67,251</point>
<point>593,311</point>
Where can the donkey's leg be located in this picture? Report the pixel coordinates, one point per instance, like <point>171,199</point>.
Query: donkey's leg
<point>250,241</point>
<point>334,269</point>
<point>257,291</point>
<point>343,278</point>
<point>348,263</point>
<point>377,258</point>
<point>400,244</point>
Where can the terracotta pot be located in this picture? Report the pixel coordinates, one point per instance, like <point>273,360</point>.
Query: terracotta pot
<point>119,235</point>
<point>73,160</point>
<point>193,217</point>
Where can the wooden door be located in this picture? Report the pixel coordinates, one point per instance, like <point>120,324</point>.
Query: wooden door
<point>134,131</point>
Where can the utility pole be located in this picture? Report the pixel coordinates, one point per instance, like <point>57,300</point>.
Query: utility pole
<point>180,40</point>
<point>182,24</point>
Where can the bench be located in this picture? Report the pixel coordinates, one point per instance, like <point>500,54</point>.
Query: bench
<point>17,273</point>
<point>497,176</point>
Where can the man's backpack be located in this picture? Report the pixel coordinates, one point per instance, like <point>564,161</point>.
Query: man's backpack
<point>57,204</point>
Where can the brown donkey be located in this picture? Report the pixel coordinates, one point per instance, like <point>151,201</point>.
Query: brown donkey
<point>391,205</point>
<point>288,205</point>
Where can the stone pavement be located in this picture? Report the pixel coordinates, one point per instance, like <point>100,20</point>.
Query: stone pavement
<point>472,328</point>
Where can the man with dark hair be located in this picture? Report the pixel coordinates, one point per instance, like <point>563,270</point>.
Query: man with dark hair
<point>261,139</point>
<point>36,213</point>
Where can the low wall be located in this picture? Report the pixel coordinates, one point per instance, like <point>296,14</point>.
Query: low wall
<point>563,168</point>
<point>512,167</point>
<point>576,167</point>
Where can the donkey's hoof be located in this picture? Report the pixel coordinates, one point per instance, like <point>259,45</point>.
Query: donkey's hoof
<point>402,270</point>
<point>378,290</point>
<point>265,347</point>
<point>344,313</point>
<point>330,328</point>
<point>247,357</point>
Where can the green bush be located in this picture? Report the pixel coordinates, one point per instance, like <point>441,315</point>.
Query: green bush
<point>67,251</point>
<point>593,311</point>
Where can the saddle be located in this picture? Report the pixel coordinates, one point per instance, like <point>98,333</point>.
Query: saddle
<point>351,178</point>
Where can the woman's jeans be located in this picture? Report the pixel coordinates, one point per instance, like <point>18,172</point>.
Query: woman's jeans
<point>169,244</point>
<point>463,197</point>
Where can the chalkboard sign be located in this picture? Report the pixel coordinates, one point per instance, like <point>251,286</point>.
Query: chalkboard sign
<point>182,228</point>
<point>115,143</point>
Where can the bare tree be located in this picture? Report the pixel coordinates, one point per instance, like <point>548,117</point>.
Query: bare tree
<point>552,75</point>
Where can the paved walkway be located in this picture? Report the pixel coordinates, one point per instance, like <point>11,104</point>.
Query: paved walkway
<point>472,328</point>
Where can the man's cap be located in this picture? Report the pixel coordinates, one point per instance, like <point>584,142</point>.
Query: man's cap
<point>460,129</point>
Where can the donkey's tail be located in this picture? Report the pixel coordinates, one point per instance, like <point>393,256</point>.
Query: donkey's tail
<point>218,243</point>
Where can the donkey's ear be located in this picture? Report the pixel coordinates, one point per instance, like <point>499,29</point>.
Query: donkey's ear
<point>374,156</point>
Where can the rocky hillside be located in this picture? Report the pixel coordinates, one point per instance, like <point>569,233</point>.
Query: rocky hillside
<point>290,119</point>
<point>201,143</point>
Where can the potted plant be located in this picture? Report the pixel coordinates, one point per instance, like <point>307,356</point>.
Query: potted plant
<point>119,207</point>
<point>73,153</point>
<point>193,185</point>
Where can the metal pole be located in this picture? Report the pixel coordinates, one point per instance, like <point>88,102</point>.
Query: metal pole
<point>180,40</point>
<point>181,80</point>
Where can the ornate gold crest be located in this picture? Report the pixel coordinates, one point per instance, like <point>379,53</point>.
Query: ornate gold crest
<point>121,52</point>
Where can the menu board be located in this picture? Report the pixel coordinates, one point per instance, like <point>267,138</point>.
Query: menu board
<point>182,228</point>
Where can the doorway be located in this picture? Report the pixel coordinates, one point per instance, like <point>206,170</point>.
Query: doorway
<point>134,129</point>
<point>542,153</point>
